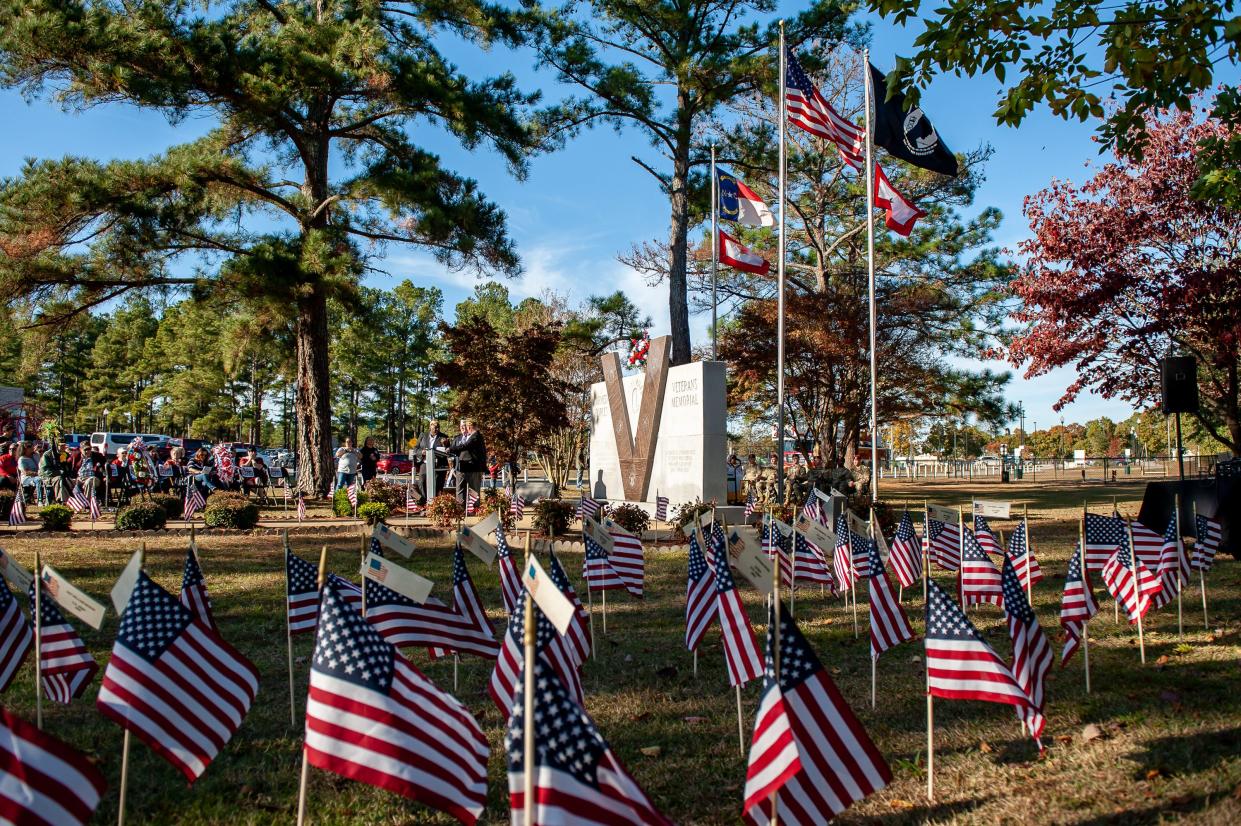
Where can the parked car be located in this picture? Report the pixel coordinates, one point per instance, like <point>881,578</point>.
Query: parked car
<point>109,443</point>
<point>191,445</point>
<point>394,463</point>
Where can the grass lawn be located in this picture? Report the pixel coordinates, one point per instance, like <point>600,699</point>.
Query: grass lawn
<point>1170,744</point>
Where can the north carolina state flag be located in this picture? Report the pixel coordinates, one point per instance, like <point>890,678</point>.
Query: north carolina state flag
<point>900,215</point>
<point>737,255</point>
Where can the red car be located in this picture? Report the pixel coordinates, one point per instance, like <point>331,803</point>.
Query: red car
<point>394,463</point>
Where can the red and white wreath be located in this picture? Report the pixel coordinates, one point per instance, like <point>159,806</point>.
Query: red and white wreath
<point>638,349</point>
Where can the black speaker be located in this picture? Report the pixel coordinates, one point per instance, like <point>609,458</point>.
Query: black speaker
<point>1179,384</point>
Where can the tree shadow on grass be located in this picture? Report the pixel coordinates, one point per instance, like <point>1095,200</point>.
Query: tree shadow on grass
<point>1157,812</point>
<point>937,812</point>
<point>1188,754</point>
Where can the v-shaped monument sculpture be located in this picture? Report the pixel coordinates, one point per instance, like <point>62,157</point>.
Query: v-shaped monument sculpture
<point>636,451</point>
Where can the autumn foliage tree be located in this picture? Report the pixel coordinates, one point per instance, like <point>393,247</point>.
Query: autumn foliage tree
<point>1129,268</point>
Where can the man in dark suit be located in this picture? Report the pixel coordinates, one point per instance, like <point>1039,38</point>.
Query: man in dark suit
<point>433,440</point>
<point>471,453</point>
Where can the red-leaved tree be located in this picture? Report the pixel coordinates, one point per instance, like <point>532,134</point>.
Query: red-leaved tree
<point>1128,268</point>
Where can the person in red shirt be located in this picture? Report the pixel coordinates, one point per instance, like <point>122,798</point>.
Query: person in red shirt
<point>8,467</point>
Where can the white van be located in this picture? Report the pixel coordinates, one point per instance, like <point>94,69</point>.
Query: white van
<point>109,443</point>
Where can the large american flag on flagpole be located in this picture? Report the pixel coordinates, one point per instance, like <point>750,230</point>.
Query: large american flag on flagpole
<point>174,682</point>
<point>700,598</point>
<point>906,556</point>
<point>194,594</point>
<point>578,781</point>
<point>506,676</point>
<point>740,646</point>
<point>889,626</point>
<point>1077,606</point>
<point>301,593</point>
<point>44,779</point>
<point>809,110</point>
<point>510,579</point>
<point>373,717</point>
<point>16,636</point>
<point>65,666</point>
<point>840,765</point>
<point>1032,656</point>
<point>980,579</point>
<point>960,665</point>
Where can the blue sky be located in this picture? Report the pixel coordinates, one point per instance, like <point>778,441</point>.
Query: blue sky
<point>581,206</point>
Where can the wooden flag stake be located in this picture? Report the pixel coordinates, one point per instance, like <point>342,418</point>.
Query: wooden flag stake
<point>873,659</point>
<point>528,672</point>
<point>961,552</point>
<point>1180,616</point>
<point>926,548</point>
<point>1081,550</point>
<point>930,735</point>
<point>852,574</point>
<point>1025,520</point>
<point>38,641</point>
<point>120,814</point>
<point>302,783</point>
<point>288,634</point>
<point>1137,594</point>
<point>603,601</point>
<point>1202,577</point>
<point>792,574</point>
<point>740,723</point>
<point>775,659</point>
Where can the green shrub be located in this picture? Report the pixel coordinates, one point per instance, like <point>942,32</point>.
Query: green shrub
<point>141,516</point>
<point>373,512</point>
<point>230,510</point>
<point>630,517</point>
<point>552,516</point>
<point>56,517</point>
<point>173,505</point>
<point>493,499</point>
<point>340,501</point>
<point>388,493</point>
<point>687,511</point>
<point>445,510</point>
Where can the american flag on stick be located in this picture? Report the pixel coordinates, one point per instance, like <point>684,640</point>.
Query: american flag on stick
<point>510,578</point>
<point>1077,606</point>
<point>1032,656</point>
<point>194,502</point>
<point>95,511</point>
<point>1207,536</point>
<point>1019,551</point>
<point>587,507</point>
<point>517,505</point>
<point>906,556</point>
<point>411,503</point>
<point>371,716</point>
<point>174,682</point>
<point>45,780</point>
<point>839,763</point>
<point>960,665</point>
<point>811,565</point>
<point>17,512</point>
<point>627,559</point>
<point>943,538</point>
<point>78,499</point>
<point>577,778</point>
<point>842,556</point>
<point>1173,570</point>
<point>301,506</point>
<point>980,579</point>
<point>749,507</point>
<point>506,677</point>
<point>598,573</point>
<point>808,109</point>
<point>16,636</point>
<point>194,594</point>
<point>740,645</point>
<point>776,545</point>
<point>578,636</point>
<point>352,493</point>
<point>65,666</point>
<point>301,593</point>
<point>1133,590</point>
<point>985,536</point>
<point>700,598</point>
<point>889,626</point>
<point>471,502</point>
<point>661,508</point>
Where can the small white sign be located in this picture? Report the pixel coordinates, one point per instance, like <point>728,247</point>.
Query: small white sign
<point>550,599</point>
<point>597,533</point>
<point>392,540</point>
<point>17,576</point>
<point>992,508</point>
<point>946,515</point>
<point>402,580</point>
<point>751,560</point>
<point>882,542</point>
<point>475,544</point>
<point>616,530</point>
<point>858,525</point>
<point>125,583</point>
<point>72,599</point>
<point>820,535</point>
<point>486,526</point>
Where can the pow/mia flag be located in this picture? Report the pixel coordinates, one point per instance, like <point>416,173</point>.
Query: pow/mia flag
<point>908,135</point>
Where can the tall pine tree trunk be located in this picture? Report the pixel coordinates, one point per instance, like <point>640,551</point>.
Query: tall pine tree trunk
<point>314,415</point>
<point>678,303</point>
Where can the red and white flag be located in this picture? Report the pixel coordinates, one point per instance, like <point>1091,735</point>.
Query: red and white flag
<point>700,599</point>
<point>627,559</point>
<point>980,579</point>
<point>43,780</point>
<point>1032,656</point>
<point>301,593</point>
<point>1022,555</point>
<point>1173,570</point>
<point>943,538</point>
<point>517,505</point>
<point>906,556</point>
<point>740,645</point>
<point>889,627</point>
<point>17,511</point>
<point>471,502</point>
<point>959,663</point>
<point>65,666</point>
<point>1077,606</point>
<point>773,748</point>
<point>510,577</point>
<point>1133,589</point>
<point>174,682</point>
<point>986,536</point>
<point>1207,534</point>
<point>373,717</point>
<point>194,502</point>
<point>194,589</point>
<point>738,256</point>
<point>352,493</point>
<point>839,763</point>
<point>16,636</point>
<point>900,214</point>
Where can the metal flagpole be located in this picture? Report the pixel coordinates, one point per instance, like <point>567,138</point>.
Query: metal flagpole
<point>870,267</point>
<point>715,257</point>
<point>780,289</point>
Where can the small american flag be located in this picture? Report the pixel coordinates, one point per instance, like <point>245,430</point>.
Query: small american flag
<point>17,513</point>
<point>985,536</point>
<point>959,663</point>
<point>1032,656</point>
<point>840,764</point>
<point>352,493</point>
<point>842,557</point>
<point>776,544</point>
<point>578,780</point>
<point>1206,542</point>
<point>301,593</point>
<point>944,543</point>
<point>471,502</point>
<point>1173,570</point>
<point>717,546</point>
<point>1133,593</point>
<point>1022,555</point>
<point>95,512</point>
<point>811,564</point>
<point>506,677</point>
<point>598,574</point>
<point>700,608</point>
<point>980,579</point>
<point>78,500</point>
<point>661,508</point>
<point>65,666</point>
<point>16,636</point>
<point>411,501</point>
<point>174,682</point>
<point>351,592</point>
<point>194,502</point>
<point>773,757</point>
<point>194,594</point>
<point>812,508</point>
<point>1149,544</point>
<point>810,111</point>
<point>373,717</point>
<point>46,780</point>
<point>577,638</point>
<point>749,507</point>
<point>587,507</point>
<point>301,506</point>
<point>906,556</point>
<point>740,645</point>
<point>627,559</point>
<point>510,577</point>
<point>889,627</point>
<point>1077,606</point>
<point>517,505</point>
